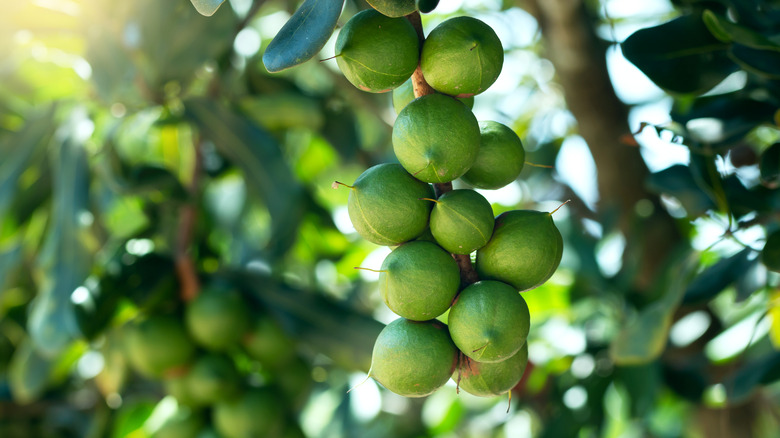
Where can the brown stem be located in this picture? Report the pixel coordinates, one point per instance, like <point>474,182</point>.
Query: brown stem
<point>186,270</point>
<point>467,273</point>
<point>185,265</point>
<point>442,188</point>
<point>420,86</point>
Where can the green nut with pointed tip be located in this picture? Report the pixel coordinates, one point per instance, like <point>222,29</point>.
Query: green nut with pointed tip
<point>489,321</point>
<point>377,53</point>
<point>384,205</point>
<point>462,221</point>
<point>524,251</point>
<point>491,379</point>
<point>462,57</point>
<point>419,280</point>
<point>412,358</point>
<point>500,158</point>
<point>436,138</point>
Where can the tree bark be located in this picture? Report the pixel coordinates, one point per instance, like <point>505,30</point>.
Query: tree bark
<point>579,58</point>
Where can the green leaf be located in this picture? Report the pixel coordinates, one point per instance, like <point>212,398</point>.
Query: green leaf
<point>177,41</point>
<point>758,14</point>
<point>95,309</point>
<point>728,32</point>
<point>342,130</point>
<point>717,277</point>
<point>770,255</point>
<point>18,150</point>
<point>8,261</point>
<point>154,178</point>
<point>65,260</point>
<point>769,164</point>
<point>303,35</point>
<point>686,379</point>
<point>644,337</point>
<point>344,335</point>
<point>753,279</point>
<point>149,280</point>
<point>285,110</point>
<point>681,45</point>
<point>131,417</point>
<point>29,373</point>
<point>257,154</point>
<point>32,195</point>
<point>207,7</point>
<point>678,181</point>
<point>762,62</point>
<point>762,371</point>
<point>744,202</point>
<point>729,117</point>
<point>643,384</point>
<point>113,71</point>
<point>774,317</point>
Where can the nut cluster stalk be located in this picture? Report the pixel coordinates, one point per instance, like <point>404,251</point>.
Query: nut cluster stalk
<point>421,88</point>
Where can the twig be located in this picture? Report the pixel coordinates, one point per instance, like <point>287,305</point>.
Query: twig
<point>185,265</point>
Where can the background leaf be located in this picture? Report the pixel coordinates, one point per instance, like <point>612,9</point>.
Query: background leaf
<point>643,339</point>
<point>717,277</point>
<point>769,164</point>
<point>182,29</point>
<point>303,35</point>
<point>745,380</point>
<point>683,44</point>
<point>29,373</point>
<point>678,181</point>
<point>728,31</point>
<point>346,336</point>
<point>8,260</point>
<point>66,259</point>
<point>734,115</point>
<point>763,62</point>
<point>18,150</point>
<point>257,154</point>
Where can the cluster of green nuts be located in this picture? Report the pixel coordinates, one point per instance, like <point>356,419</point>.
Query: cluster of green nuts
<point>197,363</point>
<point>437,139</point>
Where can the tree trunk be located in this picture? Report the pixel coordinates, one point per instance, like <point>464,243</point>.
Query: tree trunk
<point>579,58</point>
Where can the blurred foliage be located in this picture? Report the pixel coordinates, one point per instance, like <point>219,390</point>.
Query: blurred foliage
<point>121,122</point>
